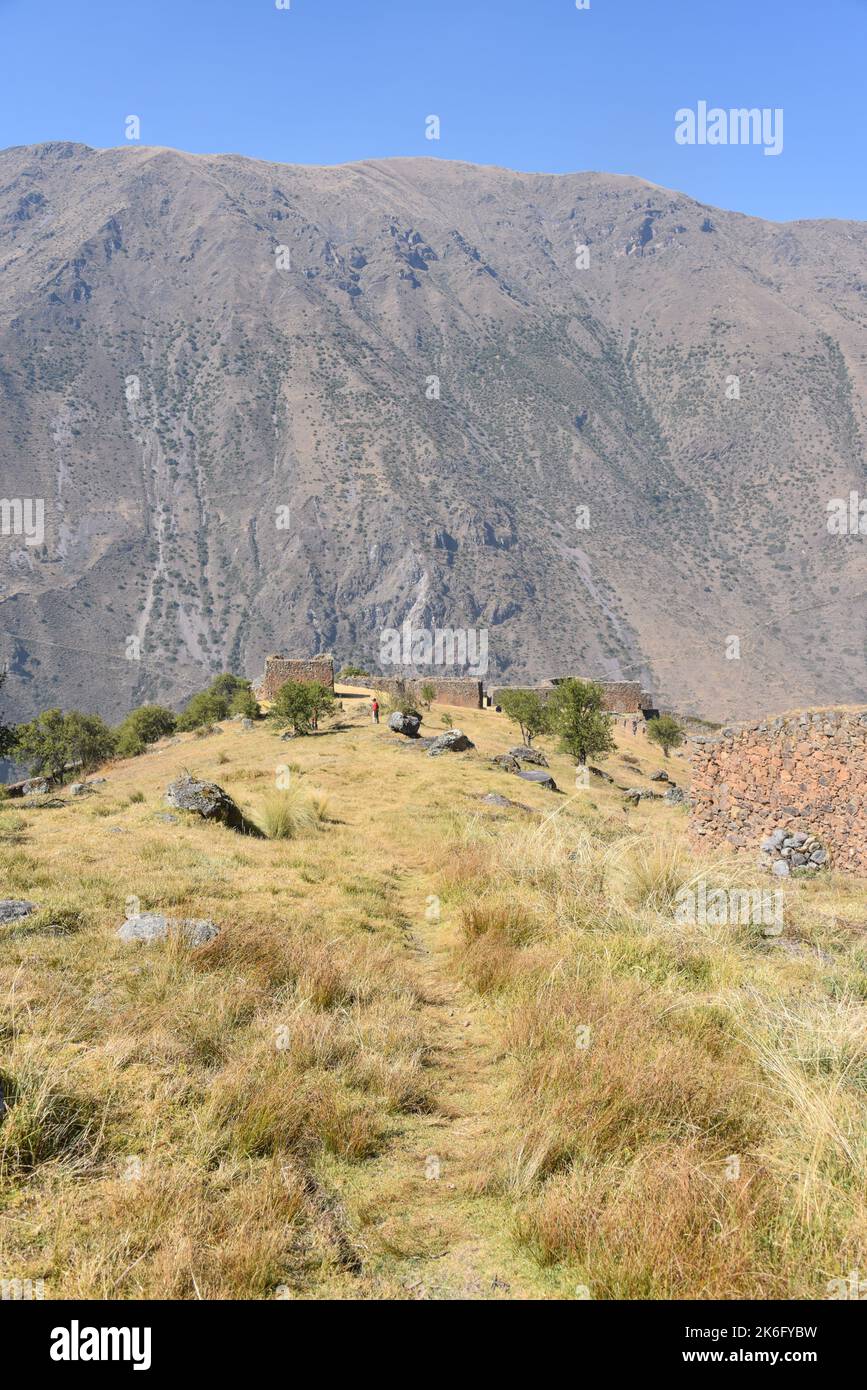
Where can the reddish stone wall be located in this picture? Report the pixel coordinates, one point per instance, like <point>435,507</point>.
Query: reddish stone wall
<point>450,690</point>
<point>280,669</point>
<point>799,772</point>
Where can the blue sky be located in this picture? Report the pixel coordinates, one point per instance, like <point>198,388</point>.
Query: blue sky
<point>529,84</point>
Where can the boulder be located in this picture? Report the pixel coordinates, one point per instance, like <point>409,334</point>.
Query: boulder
<point>495,799</point>
<point>675,796</point>
<point>407,724</point>
<point>452,741</point>
<point>152,926</point>
<point>659,777</point>
<point>529,755</point>
<point>13,908</point>
<point>597,772</point>
<point>506,763</point>
<point>207,800</point>
<point>35,786</point>
<point>542,779</point>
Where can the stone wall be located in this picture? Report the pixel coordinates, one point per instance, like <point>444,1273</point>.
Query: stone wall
<point>450,690</point>
<point>804,773</point>
<point>621,697</point>
<point>280,669</point>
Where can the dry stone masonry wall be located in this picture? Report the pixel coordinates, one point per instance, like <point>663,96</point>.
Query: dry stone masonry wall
<point>450,690</point>
<point>280,669</point>
<point>792,788</point>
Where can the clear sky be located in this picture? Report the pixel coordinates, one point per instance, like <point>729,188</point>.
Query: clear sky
<point>529,84</point>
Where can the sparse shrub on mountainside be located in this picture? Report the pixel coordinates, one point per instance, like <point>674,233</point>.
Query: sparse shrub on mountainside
<point>143,726</point>
<point>285,814</point>
<point>528,710</point>
<point>577,715</point>
<point>666,732</point>
<point>54,741</point>
<point>351,673</point>
<point>400,700</point>
<point>301,704</point>
<point>427,694</point>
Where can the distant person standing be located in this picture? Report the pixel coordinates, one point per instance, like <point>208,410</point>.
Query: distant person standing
<point>374,710</point>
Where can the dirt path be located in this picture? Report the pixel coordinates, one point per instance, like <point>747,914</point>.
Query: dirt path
<point>416,1214</point>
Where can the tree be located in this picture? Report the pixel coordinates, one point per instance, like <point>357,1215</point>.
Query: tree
<point>577,714</point>
<point>89,740</point>
<point>300,703</point>
<point>245,702</point>
<point>41,744</point>
<point>217,702</point>
<point>428,694</point>
<point>352,672</point>
<point>143,726</point>
<point>666,732</point>
<point>7,731</point>
<point>528,710</point>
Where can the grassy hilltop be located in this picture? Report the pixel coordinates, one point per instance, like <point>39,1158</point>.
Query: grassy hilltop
<point>440,1048</point>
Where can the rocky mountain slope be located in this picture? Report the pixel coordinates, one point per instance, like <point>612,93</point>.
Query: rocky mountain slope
<point>272,407</point>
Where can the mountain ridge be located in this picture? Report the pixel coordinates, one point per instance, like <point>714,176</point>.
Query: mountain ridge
<point>559,387</point>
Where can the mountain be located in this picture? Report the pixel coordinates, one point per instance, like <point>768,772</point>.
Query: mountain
<point>190,345</point>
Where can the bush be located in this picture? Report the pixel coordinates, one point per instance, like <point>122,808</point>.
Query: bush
<point>53,741</point>
<point>428,694</point>
<point>666,732</point>
<point>226,695</point>
<point>528,710</point>
<point>244,702</point>
<point>577,715</point>
<point>300,704</point>
<point>285,814</point>
<point>143,726</point>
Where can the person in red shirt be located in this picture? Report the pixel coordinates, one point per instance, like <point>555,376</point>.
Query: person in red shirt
<point>374,710</point>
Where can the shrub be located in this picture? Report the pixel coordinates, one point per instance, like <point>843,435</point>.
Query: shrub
<point>528,710</point>
<point>285,814</point>
<point>578,717</point>
<point>300,704</point>
<point>143,726</point>
<point>666,732</point>
<point>54,740</point>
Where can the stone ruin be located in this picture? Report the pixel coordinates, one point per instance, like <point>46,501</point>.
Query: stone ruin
<point>791,790</point>
<point>280,669</point>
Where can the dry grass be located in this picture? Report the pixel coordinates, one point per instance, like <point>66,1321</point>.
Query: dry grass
<point>687,1112</point>
<point>255,1114</point>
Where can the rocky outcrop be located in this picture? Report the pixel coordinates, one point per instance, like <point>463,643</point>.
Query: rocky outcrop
<point>528,755</point>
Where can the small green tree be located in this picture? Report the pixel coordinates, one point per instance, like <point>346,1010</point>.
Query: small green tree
<point>578,716</point>
<point>301,703</point>
<point>89,740</point>
<point>245,702</point>
<point>666,732</point>
<point>143,726</point>
<point>528,710</point>
<point>352,672</point>
<point>204,708</point>
<point>41,744</point>
<point>428,694</point>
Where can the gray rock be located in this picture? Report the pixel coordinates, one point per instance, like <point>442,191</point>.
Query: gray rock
<point>797,859</point>
<point>675,796</point>
<point>452,741</point>
<point>36,786</point>
<point>79,789</point>
<point>597,772</point>
<point>659,777</point>
<point>506,762</point>
<point>781,868</point>
<point>542,779</point>
<point>152,926</point>
<point>166,817</point>
<point>13,908</point>
<point>529,755</point>
<point>819,856</point>
<point>407,724</point>
<point>494,799</point>
<point>207,800</point>
<point>246,723</point>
